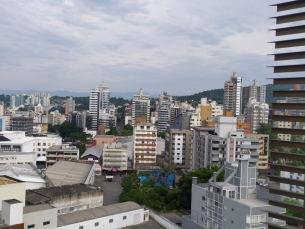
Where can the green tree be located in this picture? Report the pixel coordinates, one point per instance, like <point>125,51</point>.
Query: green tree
<point>22,109</point>
<point>75,136</point>
<point>293,212</point>
<point>113,131</point>
<point>131,182</point>
<point>162,135</point>
<point>66,128</point>
<point>82,148</point>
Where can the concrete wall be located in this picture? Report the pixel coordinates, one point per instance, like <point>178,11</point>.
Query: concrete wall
<point>188,223</point>
<point>12,158</point>
<point>78,202</point>
<point>12,191</point>
<point>38,218</point>
<point>132,218</point>
<point>91,177</point>
<point>162,220</point>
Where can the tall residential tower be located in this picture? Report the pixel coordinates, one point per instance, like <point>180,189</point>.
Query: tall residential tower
<point>140,108</point>
<point>233,90</point>
<point>164,111</point>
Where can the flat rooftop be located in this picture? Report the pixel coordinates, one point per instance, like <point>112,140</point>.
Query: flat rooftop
<point>43,195</point>
<point>252,201</point>
<point>69,172</point>
<point>61,148</point>
<point>36,208</point>
<point>95,213</point>
<point>21,172</point>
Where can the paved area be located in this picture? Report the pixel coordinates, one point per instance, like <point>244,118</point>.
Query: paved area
<point>112,190</point>
<point>151,224</point>
<point>175,217</point>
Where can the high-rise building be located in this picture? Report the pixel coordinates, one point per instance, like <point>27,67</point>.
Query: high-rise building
<point>80,119</point>
<point>1,108</point>
<point>145,144</point>
<point>256,113</point>
<point>38,109</point>
<point>256,91</point>
<point>291,29</point>
<point>176,112</point>
<point>140,108</point>
<point>164,111</point>
<point>233,91</point>
<point>105,95</point>
<point>94,106</point>
<point>70,105</point>
<point>17,100</point>
<point>296,100</point>
<point>2,123</point>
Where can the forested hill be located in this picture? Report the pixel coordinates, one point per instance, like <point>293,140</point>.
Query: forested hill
<point>217,94</point>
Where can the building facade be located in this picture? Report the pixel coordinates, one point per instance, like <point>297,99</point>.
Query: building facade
<point>115,156</point>
<point>23,124</point>
<point>61,152</point>
<point>255,91</point>
<point>145,144</point>
<point>70,105</point>
<point>140,107</point>
<point>256,113</point>
<point>105,96</point>
<point>94,106</point>
<point>233,90</point>
<point>164,111</point>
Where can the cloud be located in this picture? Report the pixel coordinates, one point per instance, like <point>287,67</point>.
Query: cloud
<point>178,46</point>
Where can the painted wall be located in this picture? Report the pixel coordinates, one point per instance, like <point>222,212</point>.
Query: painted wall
<point>156,175</point>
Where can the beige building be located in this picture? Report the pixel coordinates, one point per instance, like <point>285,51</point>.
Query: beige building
<point>11,188</point>
<point>145,144</point>
<point>61,152</point>
<point>115,156</point>
<point>263,150</point>
<point>283,124</point>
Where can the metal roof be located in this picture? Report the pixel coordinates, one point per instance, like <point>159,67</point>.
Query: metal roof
<point>95,151</point>
<point>69,172</point>
<point>95,213</point>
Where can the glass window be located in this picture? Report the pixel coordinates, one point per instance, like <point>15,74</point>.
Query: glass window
<point>31,226</point>
<point>111,221</point>
<point>232,194</point>
<point>96,224</point>
<point>46,223</point>
<point>124,217</point>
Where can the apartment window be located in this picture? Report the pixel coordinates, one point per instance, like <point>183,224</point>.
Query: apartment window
<point>203,197</point>
<point>202,208</point>
<point>216,203</point>
<point>39,144</point>
<point>81,227</point>
<point>124,217</point>
<point>44,144</point>
<point>31,226</point>
<point>49,144</point>
<point>111,221</point>
<point>97,224</point>
<point>232,194</point>
<point>148,127</point>
<point>232,221</point>
<point>232,209</point>
<point>46,223</point>
<point>142,127</point>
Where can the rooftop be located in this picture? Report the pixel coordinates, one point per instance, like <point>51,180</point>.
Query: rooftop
<point>69,172</point>
<point>62,147</point>
<point>95,150</point>
<point>21,172</point>
<point>7,180</point>
<point>36,208</point>
<point>94,213</point>
<point>12,201</point>
<point>44,195</point>
<point>104,136</point>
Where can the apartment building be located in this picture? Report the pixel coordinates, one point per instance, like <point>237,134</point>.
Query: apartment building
<point>164,111</point>
<point>145,144</point>
<point>255,91</point>
<point>80,119</point>
<point>23,124</point>
<point>61,152</point>
<point>94,106</point>
<point>263,150</point>
<point>256,113</point>
<point>115,156</point>
<point>233,95</point>
<point>1,109</point>
<point>2,123</point>
<point>178,143</point>
<point>105,96</point>
<point>221,143</point>
<point>70,105</point>
<point>234,203</point>
<point>140,107</point>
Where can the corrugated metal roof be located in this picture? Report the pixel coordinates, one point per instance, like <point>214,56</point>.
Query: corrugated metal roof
<point>69,172</point>
<point>95,151</point>
<point>94,213</point>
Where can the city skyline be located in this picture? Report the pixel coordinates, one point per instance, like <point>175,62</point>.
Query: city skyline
<point>74,44</point>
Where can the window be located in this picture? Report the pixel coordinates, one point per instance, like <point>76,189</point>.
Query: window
<point>49,144</point>
<point>202,208</point>
<point>232,221</point>
<point>232,209</point>
<point>71,208</point>
<point>203,197</point>
<point>81,227</point>
<point>111,221</point>
<point>96,224</point>
<point>216,203</point>
<point>31,226</point>
<point>124,217</point>
<point>44,144</point>
<point>46,223</point>
<point>232,194</point>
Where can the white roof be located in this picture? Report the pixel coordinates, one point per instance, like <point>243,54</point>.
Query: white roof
<point>21,172</point>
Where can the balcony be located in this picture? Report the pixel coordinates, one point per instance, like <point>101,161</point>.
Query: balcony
<point>145,154</point>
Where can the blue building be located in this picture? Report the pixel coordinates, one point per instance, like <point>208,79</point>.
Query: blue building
<point>16,100</point>
<point>2,123</point>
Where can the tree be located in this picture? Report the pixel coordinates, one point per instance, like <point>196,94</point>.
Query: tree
<point>293,212</point>
<point>66,128</point>
<point>82,148</point>
<point>74,136</point>
<point>162,135</point>
<point>113,131</point>
<point>131,182</point>
<point>22,109</point>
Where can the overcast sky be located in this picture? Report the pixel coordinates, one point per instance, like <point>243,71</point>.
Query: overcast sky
<point>179,46</point>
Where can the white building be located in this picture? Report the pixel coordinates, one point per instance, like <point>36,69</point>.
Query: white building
<point>255,113</point>
<point>293,188</point>
<point>17,158</point>
<point>233,95</point>
<point>38,109</point>
<point>216,109</point>
<point>164,111</point>
<point>1,109</point>
<point>94,106</point>
<point>140,107</point>
<point>145,144</point>
<point>115,156</point>
<point>283,124</point>
<point>255,91</point>
<point>105,95</point>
